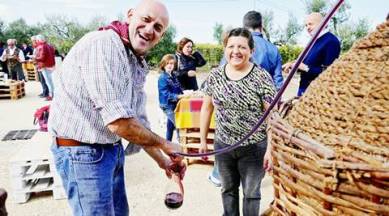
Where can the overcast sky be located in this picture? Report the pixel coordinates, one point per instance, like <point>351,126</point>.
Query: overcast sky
<point>192,18</point>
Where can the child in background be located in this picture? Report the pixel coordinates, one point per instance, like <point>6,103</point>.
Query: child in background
<point>169,91</point>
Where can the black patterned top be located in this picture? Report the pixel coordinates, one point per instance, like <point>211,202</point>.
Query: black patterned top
<point>239,103</point>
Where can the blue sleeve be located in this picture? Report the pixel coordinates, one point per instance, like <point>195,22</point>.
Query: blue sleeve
<point>278,79</point>
<point>331,52</point>
<point>164,92</point>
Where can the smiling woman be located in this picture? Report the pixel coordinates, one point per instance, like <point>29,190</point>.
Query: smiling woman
<point>241,92</point>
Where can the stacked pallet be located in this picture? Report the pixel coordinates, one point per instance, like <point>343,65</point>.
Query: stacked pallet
<point>190,141</point>
<point>187,115</point>
<point>11,89</point>
<point>30,72</point>
<point>32,170</point>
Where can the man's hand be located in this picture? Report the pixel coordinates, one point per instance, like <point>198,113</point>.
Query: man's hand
<point>175,166</point>
<point>191,73</point>
<point>170,149</point>
<point>288,66</point>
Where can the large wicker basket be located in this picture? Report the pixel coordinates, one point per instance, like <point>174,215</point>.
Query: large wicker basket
<point>331,150</point>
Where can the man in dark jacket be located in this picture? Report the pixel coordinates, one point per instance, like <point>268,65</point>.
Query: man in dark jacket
<point>322,54</point>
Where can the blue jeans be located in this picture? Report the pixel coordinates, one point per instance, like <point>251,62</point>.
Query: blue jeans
<point>170,124</point>
<point>242,165</point>
<point>45,89</point>
<point>47,74</point>
<point>93,178</point>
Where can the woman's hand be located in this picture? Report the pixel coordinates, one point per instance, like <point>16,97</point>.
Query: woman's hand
<point>203,149</point>
<point>267,161</point>
<point>191,73</point>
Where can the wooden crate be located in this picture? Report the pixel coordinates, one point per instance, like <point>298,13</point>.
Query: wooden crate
<point>30,72</point>
<point>12,90</point>
<point>190,142</point>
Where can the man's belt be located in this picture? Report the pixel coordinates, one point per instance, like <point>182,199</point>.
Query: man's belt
<point>68,142</point>
<point>71,142</point>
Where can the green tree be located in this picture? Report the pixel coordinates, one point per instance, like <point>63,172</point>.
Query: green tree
<point>267,24</point>
<point>322,6</point>
<point>96,22</point>
<point>20,31</point>
<point>218,33</point>
<point>289,34</point>
<point>318,6</point>
<point>2,29</point>
<point>350,32</point>
<point>165,46</point>
<point>63,32</point>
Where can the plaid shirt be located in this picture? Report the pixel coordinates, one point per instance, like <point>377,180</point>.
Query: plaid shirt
<point>97,83</point>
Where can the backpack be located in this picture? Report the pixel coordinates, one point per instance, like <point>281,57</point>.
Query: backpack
<point>41,116</point>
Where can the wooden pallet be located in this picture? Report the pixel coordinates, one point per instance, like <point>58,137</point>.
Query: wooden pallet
<point>190,142</point>
<point>32,170</point>
<point>13,90</point>
<point>30,72</point>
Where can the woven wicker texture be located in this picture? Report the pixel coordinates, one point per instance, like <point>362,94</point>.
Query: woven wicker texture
<point>331,151</point>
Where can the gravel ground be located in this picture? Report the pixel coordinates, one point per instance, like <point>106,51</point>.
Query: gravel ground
<point>146,184</point>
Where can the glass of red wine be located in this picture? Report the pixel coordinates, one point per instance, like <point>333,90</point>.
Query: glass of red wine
<point>175,197</point>
<point>174,200</point>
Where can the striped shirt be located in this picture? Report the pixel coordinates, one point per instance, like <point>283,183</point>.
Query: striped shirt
<point>239,104</point>
<point>98,83</point>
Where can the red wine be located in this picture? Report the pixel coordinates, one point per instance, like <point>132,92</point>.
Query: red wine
<point>173,200</point>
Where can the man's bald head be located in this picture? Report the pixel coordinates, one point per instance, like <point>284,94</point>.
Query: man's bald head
<point>148,22</point>
<point>154,4</point>
<point>312,22</point>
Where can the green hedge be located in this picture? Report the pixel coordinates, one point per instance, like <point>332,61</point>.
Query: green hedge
<point>211,52</point>
<point>289,52</point>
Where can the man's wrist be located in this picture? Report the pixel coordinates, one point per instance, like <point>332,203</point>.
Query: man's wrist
<point>165,146</point>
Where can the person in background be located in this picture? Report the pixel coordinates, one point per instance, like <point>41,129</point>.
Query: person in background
<point>45,58</point>
<point>3,65</point>
<point>265,53</point>
<point>27,51</point>
<point>322,54</point>
<point>169,91</point>
<point>187,62</point>
<point>100,99</point>
<point>240,91</point>
<point>14,58</point>
<point>45,89</point>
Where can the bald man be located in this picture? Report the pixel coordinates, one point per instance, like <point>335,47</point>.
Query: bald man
<point>323,53</point>
<point>99,99</point>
